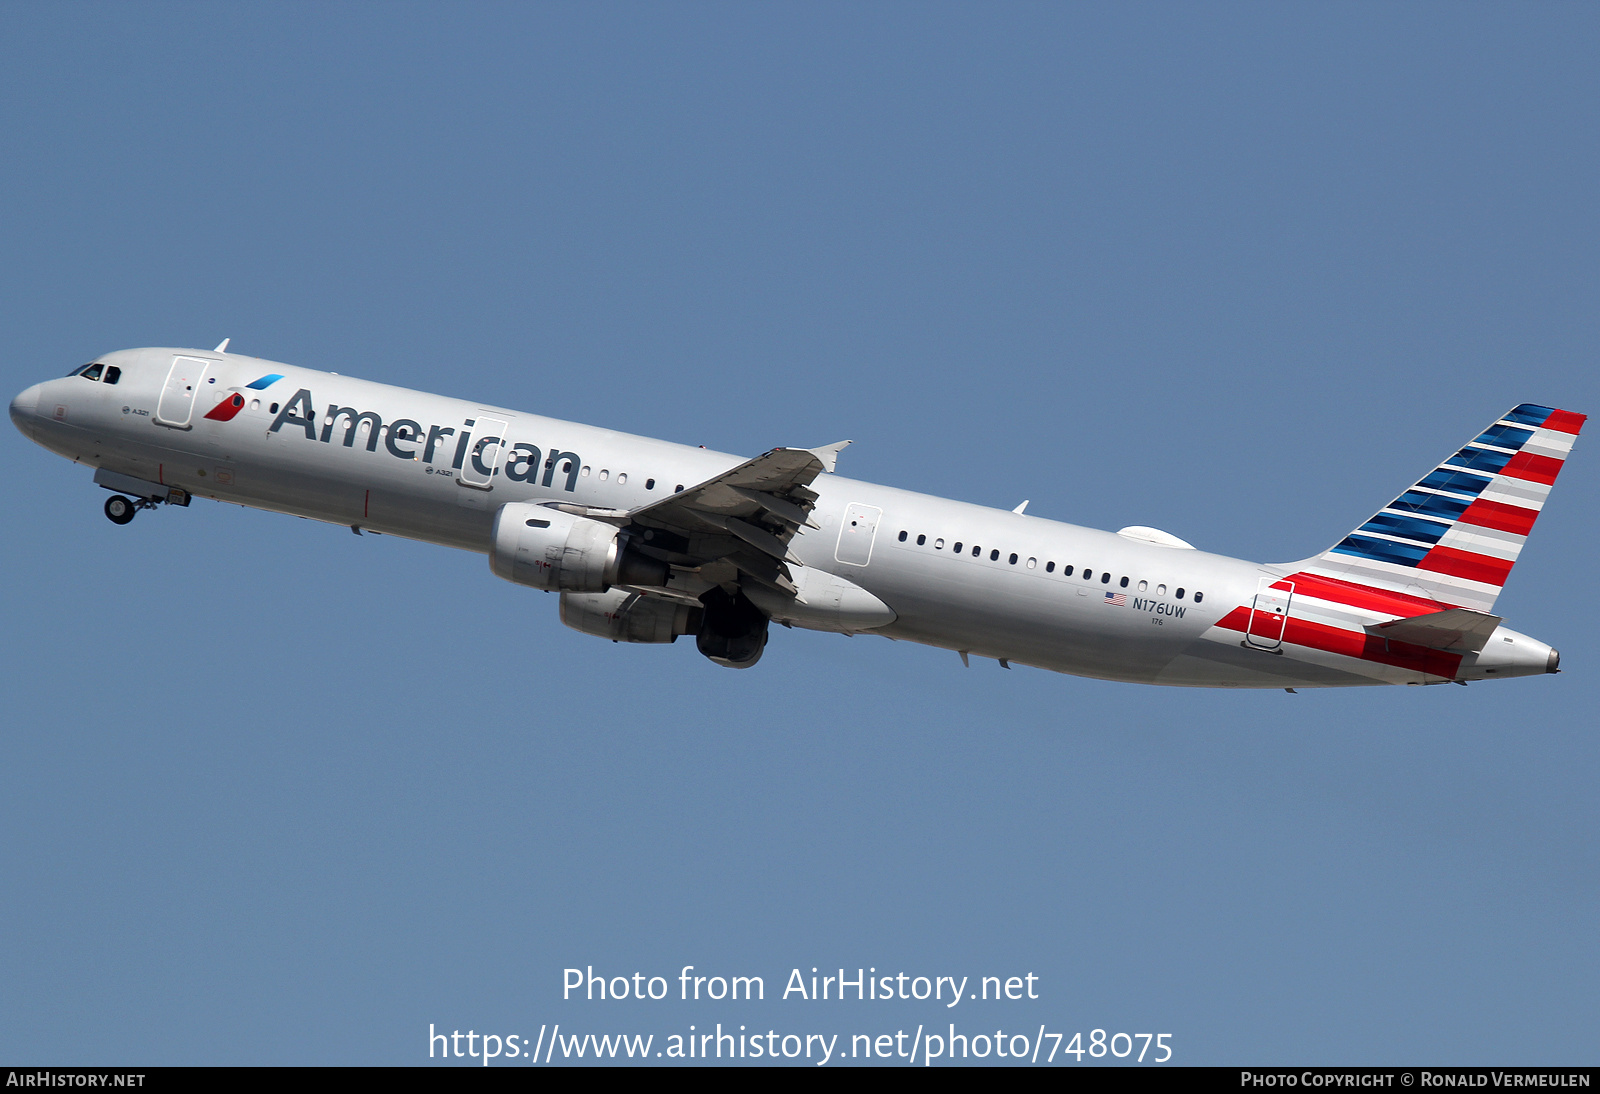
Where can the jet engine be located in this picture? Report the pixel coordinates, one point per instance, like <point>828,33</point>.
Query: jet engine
<point>558,552</point>
<point>623,616</point>
<point>733,631</point>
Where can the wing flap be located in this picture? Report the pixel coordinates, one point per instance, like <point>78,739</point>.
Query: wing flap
<point>746,516</point>
<point>797,515</point>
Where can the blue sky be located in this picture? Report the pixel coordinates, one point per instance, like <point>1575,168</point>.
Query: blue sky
<point>271,793</point>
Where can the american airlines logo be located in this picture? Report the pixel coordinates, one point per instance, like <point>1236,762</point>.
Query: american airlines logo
<point>405,439</point>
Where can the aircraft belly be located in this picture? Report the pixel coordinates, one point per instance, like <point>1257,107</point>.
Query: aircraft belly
<point>1208,664</point>
<point>1042,623</point>
<point>264,475</point>
<point>1064,625</point>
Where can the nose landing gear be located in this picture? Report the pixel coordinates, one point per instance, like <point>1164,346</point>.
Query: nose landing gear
<point>121,510</point>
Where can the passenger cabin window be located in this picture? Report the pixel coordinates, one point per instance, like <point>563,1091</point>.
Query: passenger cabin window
<point>1013,558</point>
<point>957,547</point>
<point>622,478</point>
<point>92,372</point>
<point>678,489</point>
<point>921,540</point>
<point>1198,597</point>
<point>113,374</point>
<point>1066,571</point>
<point>649,484</point>
<point>976,550</point>
<point>1032,562</point>
<point>1143,585</point>
<point>938,544</point>
<point>1049,567</point>
<point>1087,573</point>
<point>1161,590</point>
<point>902,537</point>
<point>1105,578</point>
<point>1178,594</point>
<point>1123,583</point>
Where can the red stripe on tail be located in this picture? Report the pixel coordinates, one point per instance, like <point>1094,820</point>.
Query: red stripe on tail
<point>1467,564</point>
<point>1500,516</point>
<point>1357,644</point>
<point>1565,421</point>
<point>1351,594</point>
<point>1525,465</point>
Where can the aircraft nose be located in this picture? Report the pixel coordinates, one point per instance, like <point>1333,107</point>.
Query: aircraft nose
<point>23,409</point>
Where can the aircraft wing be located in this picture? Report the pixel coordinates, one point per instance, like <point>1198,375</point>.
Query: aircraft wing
<point>743,518</point>
<point>1458,630</point>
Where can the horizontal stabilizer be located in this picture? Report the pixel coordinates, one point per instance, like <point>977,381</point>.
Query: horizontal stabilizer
<point>1458,630</point>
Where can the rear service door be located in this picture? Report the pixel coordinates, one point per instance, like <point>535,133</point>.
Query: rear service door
<point>1270,614</point>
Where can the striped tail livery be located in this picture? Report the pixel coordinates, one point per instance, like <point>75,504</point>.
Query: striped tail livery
<point>1454,536</point>
<point>1407,596</point>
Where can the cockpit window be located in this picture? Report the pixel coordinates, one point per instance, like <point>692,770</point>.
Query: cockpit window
<point>77,370</point>
<point>113,374</point>
<point>91,372</point>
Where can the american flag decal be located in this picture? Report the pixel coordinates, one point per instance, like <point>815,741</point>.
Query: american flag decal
<point>1116,600</point>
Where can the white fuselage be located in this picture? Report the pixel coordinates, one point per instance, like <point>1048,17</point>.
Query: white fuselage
<point>405,469</point>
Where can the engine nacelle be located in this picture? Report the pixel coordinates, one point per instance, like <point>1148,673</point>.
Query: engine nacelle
<point>558,552</point>
<point>629,617</point>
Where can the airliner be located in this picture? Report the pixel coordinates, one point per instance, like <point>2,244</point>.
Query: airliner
<point>647,541</point>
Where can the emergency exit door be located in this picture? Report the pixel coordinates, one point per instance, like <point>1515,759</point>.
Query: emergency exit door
<point>856,532</point>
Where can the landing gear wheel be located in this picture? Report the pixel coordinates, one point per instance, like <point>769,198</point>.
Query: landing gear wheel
<point>119,509</point>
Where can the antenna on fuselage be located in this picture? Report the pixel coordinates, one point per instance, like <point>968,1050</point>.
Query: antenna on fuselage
<point>222,346</point>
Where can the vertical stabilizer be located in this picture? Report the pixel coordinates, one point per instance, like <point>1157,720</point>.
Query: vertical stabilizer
<point>1454,536</point>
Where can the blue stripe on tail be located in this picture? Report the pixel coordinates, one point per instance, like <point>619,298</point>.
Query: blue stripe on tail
<point>1413,528</point>
<point>1530,414</point>
<point>1430,505</point>
<point>1504,436</point>
<point>1455,482</point>
<point>1381,550</point>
